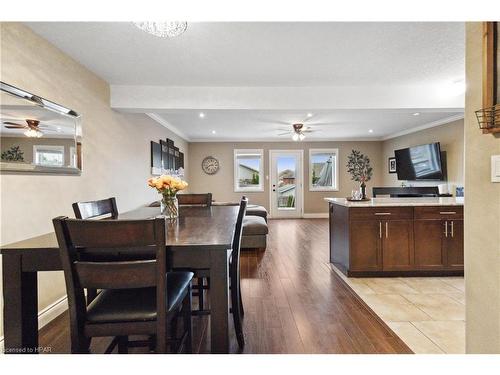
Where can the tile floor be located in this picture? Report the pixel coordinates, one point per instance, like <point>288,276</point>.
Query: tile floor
<point>427,313</point>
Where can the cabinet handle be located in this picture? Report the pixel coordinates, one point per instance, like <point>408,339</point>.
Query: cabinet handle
<point>382,213</point>
<point>380,229</point>
<point>448,212</point>
<point>446,228</point>
<point>386,229</point>
<point>452,228</point>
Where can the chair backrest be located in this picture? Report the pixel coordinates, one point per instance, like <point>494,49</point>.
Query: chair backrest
<point>88,210</point>
<point>236,243</point>
<point>195,199</point>
<point>81,244</point>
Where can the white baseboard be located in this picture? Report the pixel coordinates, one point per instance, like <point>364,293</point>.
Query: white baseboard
<point>46,315</point>
<point>319,215</point>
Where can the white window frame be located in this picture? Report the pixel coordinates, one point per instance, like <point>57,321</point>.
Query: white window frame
<point>38,148</point>
<point>334,151</point>
<point>249,152</point>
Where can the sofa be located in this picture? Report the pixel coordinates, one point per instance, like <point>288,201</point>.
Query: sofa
<point>255,228</point>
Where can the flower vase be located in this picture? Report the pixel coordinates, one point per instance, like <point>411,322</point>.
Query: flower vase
<point>363,190</point>
<point>169,206</point>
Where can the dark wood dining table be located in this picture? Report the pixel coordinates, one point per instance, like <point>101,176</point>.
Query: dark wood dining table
<point>199,238</point>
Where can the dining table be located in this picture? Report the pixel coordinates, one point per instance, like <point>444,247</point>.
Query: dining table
<point>199,238</point>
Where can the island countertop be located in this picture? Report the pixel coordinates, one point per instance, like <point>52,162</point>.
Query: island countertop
<point>398,202</point>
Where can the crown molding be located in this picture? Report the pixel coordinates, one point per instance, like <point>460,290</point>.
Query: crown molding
<point>169,126</point>
<point>274,140</point>
<point>429,125</point>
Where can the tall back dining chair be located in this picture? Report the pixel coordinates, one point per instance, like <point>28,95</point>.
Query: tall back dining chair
<point>234,274</point>
<point>201,275</point>
<point>92,209</point>
<point>138,297</point>
<point>95,209</point>
<point>204,200</point>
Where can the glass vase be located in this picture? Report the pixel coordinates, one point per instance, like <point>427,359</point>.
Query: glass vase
<point>169,206</point>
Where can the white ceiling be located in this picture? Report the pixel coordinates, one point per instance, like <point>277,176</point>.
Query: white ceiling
<point>237,125</point>
<point>266,54</point>
<point>251,78</point>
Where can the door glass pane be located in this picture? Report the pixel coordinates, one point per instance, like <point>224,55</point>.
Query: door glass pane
<point>286,182</point>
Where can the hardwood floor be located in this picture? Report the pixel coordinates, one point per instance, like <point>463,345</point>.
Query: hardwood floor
<point>294,302</point>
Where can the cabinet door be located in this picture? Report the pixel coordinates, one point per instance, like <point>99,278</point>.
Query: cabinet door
<point>429,242</point>
<point>365,238</point>
<point>454,244</point>
<point>397,245</point>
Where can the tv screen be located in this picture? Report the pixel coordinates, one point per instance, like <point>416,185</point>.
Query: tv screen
<point>419,163</point>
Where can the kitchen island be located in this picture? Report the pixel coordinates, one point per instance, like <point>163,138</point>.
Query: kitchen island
<point>397,236</point>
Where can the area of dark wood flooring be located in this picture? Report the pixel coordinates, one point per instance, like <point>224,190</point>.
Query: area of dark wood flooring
<point>294,303</point>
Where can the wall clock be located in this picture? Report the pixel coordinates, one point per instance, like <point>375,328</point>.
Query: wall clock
<point>210,165</point>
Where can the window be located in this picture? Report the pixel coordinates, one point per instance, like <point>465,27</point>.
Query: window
<point>248,170</point>
<point>49,156</point>
<point>323,169</point>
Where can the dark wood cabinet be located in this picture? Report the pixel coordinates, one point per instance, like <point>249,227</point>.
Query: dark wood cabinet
<point>429,244</point>
<point>366,241</point>
<point>371,241</point>
<point>397,245</point>
<point>454,244</point>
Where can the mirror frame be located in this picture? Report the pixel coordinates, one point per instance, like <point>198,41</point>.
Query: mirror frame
<point>54,107</point>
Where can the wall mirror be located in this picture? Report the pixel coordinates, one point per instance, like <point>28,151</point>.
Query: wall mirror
<point>37,135</point>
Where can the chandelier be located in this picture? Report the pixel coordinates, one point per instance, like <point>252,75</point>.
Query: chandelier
<point>163,29</point>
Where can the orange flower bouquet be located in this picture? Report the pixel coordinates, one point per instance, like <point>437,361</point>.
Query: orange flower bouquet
<point>168,187</point>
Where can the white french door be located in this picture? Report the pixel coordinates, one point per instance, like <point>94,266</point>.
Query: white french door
<point>286,179</point>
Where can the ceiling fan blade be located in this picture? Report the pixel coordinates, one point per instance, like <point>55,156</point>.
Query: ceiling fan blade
<point>287,133</point>
<point>15,126</point>
<point>13,123</point>
<point>308,131</point>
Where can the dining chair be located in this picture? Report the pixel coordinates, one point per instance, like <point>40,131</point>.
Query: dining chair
<point>92,209</point>
<point>201,275</point>
<point>234,275</point>
<point>140,296</point>
<point>95,209</point>
<point>204,200</point>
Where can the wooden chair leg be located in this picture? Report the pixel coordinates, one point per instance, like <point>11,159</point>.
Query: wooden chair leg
<point>123,344</point>
<point>186,311</point>
<point>235,308</point>
<point>200,293</point>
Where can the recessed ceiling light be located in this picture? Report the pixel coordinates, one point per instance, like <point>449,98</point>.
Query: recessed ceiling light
<point>213,132</point>
<point>370,131</point>
<point>309,114</point>
<point>202,115</point>
<point>416,114</point>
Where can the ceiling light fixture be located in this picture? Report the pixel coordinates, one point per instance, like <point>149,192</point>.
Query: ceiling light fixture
<point>309,114</point>
<point>301,136</point>
<point>202,115</point>
<point>416,114</point>
<point>213,132</point>
<point>32,133</point>
<point>163,29</point>
<point>370,131</point>
<point>295,137</point>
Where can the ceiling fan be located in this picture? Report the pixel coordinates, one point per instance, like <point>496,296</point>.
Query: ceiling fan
<point>33,128</point>
<point>298,131</point>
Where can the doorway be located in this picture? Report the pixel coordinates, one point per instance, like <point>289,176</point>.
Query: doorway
<point>286,183</point>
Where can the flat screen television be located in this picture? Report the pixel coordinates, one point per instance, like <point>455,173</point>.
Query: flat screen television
<point>422,162</point>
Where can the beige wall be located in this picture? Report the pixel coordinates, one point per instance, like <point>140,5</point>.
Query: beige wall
<point>116,148</point>
<point>222,186</point>
<point>482,214</point>
<point>451,137</point>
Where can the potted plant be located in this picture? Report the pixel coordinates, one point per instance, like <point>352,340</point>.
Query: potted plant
<point>168,186</point>
<point>358,166</point>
